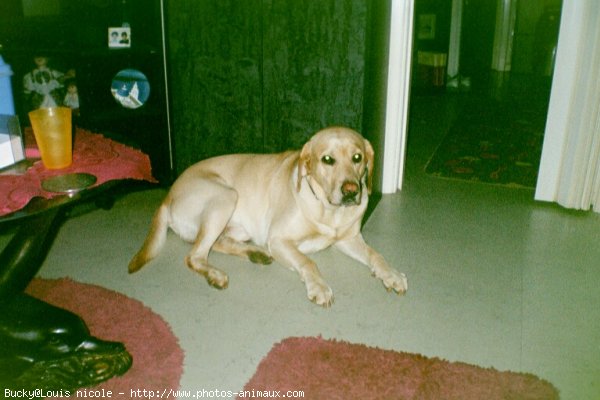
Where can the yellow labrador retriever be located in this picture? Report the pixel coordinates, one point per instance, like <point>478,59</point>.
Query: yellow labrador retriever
<point>275,206</point>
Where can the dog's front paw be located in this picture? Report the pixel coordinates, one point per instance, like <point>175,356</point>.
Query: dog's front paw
<point>319,293</point>
<point>394,280</point>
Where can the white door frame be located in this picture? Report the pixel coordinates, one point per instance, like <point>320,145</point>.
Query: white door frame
<point>506,17</point>
<point>398,93</point>
<point>571,55</point>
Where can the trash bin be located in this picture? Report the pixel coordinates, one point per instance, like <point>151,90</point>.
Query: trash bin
<point>432,68</point>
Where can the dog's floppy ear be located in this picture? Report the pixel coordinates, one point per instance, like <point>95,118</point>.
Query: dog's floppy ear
<point>370,155</point>
<point>303,164</point>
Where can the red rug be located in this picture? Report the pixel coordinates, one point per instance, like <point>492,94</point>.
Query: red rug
<point>329,369</point>
<point>157,357</point>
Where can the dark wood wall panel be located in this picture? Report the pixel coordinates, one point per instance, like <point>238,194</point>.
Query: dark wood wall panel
<point>262,75</point>
<point>313,68</point>
<point>215,56</point>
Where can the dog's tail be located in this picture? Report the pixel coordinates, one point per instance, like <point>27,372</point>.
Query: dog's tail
<point>154,241</point>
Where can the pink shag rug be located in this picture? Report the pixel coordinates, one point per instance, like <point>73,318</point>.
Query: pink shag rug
<point>329,369</point>
<point>157,356</point>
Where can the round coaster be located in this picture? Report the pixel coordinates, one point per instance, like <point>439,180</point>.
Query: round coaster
<point>69,183</point>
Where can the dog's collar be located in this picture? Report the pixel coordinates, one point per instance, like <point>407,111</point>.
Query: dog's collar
<point>310,187</point>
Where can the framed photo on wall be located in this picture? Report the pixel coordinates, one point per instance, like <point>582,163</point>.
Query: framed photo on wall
<point>426,26</point>
<point>119,37</point>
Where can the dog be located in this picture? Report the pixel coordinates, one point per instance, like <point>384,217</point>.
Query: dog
<point>265,207</point>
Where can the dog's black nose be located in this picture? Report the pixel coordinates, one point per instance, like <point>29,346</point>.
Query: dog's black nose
<point>349,192</point>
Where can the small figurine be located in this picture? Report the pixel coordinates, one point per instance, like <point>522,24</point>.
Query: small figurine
<point>43,87</point>
<point>71,99</point>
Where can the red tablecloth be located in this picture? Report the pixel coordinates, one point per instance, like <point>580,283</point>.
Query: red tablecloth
<point>92,153</point>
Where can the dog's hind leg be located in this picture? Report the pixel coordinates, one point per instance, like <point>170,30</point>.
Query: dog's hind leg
<point>216,212</point>
<point>248,251</point>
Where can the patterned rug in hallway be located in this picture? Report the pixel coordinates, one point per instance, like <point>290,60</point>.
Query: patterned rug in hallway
<point>497,144</point>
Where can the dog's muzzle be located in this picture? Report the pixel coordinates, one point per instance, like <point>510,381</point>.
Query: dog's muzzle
<point>351,193</point>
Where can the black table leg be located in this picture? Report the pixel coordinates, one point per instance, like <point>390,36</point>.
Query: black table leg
<point>42,346</point>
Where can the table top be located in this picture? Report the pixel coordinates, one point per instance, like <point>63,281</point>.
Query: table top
<point>93,153</point>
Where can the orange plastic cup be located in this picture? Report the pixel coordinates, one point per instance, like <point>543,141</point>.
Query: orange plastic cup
<point>52,131</point>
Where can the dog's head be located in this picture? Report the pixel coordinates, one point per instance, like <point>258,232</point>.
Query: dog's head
<point>338,163</point>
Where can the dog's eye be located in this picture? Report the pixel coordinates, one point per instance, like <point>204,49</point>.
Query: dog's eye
<point>357,158</point>
<point>328,160</point>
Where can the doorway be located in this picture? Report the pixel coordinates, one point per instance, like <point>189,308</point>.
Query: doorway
<point>482,94</point>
